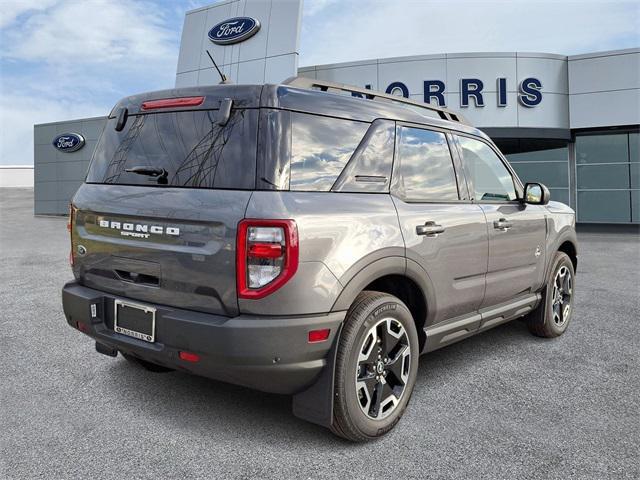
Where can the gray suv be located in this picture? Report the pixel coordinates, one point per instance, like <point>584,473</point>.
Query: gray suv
<point>309,239</point>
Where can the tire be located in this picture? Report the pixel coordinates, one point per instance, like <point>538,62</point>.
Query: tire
<point>552,317</point>
<point>151,367</point>
<point>372,393</point>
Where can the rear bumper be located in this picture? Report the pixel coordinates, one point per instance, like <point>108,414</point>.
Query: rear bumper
<point>271,354</point>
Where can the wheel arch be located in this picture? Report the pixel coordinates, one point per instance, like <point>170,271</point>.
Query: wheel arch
<point>571,250</point>
<point>397,276</point>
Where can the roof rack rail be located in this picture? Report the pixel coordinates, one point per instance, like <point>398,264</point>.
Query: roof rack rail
<point>323,85</point>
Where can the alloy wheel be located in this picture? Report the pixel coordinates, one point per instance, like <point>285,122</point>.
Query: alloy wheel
<point>384,360</point>
<point>561,296</point>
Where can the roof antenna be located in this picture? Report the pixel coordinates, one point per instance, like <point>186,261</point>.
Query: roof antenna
<point>224,79</point>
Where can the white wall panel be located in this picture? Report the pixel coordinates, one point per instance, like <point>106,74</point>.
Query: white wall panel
<point>276,43</point>
<point>191,42</point>
<point>359,75</point>
<point>487,69</point>
<point>280,68</point>
<point>604,73</point>
<point>605,109</point>
<point>412,74</point>
<point>187,79</point>
<point>552,72</point>
<point>552,112</point>
<point>490,115</point>
<point>284,27</point>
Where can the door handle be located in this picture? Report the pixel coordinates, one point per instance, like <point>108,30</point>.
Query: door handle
<point>502,224</point>
<point>430,229</point>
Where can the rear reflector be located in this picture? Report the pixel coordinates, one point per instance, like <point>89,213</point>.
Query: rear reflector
<point>319,335</point>
<point>173,103</point>
<point>189,357</point>
<point>82,327</point>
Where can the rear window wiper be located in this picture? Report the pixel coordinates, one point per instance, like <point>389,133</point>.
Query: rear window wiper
<point>156,172</point>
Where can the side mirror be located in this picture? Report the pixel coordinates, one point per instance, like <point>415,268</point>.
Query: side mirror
<point>536,194</point>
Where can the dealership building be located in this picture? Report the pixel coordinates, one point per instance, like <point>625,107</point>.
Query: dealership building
<point>570,122</point>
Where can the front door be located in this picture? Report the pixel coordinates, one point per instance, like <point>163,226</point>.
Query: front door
<point>516,231</point>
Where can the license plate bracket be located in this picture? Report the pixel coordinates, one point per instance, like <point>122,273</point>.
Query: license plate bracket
<point>135,320</point>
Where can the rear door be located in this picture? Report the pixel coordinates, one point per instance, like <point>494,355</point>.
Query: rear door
<point>168,238</point>
<point>443,231</point>
<point>516,230</point>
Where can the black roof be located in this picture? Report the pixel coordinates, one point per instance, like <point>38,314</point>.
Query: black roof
<point>305,100</point>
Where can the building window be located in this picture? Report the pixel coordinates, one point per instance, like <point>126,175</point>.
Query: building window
<point>540,160</point>
<point>607,176</point>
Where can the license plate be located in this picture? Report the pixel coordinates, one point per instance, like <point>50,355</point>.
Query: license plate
<point>134,320</point>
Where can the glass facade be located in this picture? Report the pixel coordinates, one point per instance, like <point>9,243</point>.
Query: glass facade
<point>537,160</point>
<point>608,177</point>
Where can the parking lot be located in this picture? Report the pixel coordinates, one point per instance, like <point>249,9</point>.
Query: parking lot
<point>503,404</point>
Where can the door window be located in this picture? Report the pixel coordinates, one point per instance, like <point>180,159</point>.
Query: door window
<point>425,169</point>
<point>489,177</point>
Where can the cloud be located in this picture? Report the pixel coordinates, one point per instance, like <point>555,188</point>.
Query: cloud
<point>96,31</point>
<point>378,29</point>
<point>313,7</point>
<point>18,113</point>
<point>72,59</point>
<point>12,9</point>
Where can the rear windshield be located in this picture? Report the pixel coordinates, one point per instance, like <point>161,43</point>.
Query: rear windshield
<point>194,150</point>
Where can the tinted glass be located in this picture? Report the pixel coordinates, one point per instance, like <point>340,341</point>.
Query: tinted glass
<point>634,147</point>
<point>369,169</point>
<point>490,178</point>
<point>602,148</point>
<point>320,148</point>
<point>191,146</point>
<point>552,174</point>
<point>425,166</point>
<point>551,155</point>
<point>603,176</point>
<point>604,206</point>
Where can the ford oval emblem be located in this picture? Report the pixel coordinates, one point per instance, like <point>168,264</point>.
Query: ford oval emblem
<point>234,30</point>
<point>69,142</point>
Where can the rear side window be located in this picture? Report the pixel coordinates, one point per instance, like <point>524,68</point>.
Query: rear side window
<point>194,150</point>
<point>425,171</point>
<point>320,148</point>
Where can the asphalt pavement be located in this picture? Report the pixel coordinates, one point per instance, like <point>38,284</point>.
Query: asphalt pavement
<point>503,404</point>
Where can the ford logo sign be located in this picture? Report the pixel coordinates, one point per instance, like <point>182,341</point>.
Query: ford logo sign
<point>69,142</point>
<point>234,30</point>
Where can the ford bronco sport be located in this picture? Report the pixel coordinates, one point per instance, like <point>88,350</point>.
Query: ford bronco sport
<point>310,239</point>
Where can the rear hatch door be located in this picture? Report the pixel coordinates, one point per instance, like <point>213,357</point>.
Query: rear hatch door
<point>168,235</point>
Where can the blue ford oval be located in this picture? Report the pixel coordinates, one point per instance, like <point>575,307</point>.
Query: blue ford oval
<point>68,142</point>
<point>234,30</point>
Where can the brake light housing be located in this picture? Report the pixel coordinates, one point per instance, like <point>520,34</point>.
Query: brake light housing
<point>267,256</point>
<point>172,103</point>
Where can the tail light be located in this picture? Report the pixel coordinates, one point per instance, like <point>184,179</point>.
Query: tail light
<point>72,212</point>
<point>267,256</point>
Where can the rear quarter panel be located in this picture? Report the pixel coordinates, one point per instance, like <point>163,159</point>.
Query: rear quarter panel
<point>339,233</point>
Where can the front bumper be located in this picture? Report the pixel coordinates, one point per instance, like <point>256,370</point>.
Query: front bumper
<point>271,354</point>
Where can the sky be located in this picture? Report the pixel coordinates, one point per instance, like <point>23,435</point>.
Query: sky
<point>66,59</point>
